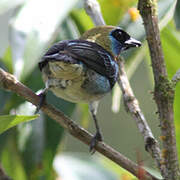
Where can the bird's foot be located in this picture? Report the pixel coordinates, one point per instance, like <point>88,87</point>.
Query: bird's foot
<point>97,137</point>
<point>41,102</point>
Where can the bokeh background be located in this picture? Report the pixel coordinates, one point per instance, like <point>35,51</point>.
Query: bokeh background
<point>41,149</point>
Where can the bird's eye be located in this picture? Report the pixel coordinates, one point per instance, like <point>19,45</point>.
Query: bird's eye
<point>120,35</point>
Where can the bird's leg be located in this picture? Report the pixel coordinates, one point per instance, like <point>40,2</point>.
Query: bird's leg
<point>97,136</point>
<point>42,96</point>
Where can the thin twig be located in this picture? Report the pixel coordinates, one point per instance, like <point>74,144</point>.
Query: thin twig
<point>164,89</point>
<point>9,82</point>
<point>131,103</point>
<point>176,77</point>
<point>93,9</point>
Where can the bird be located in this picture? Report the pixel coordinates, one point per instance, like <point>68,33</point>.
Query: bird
<point>85,69</point>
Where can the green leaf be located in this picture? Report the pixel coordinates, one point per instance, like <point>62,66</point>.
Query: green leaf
<point>171,45</point>
<point>8,121</point>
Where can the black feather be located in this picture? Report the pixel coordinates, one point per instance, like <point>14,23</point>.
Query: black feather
<point>93,55</point>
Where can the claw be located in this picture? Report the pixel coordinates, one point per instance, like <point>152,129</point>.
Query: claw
<point>97,137</point>
<point>41,102</point>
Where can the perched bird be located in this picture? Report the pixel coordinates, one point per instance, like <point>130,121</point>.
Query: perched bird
<point>84,70</point>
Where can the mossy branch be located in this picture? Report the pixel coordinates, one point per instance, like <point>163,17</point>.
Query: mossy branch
<point>164,89</point>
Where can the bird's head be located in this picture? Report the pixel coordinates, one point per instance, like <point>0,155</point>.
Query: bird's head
<point>111,38</point>
<point>121,41</point>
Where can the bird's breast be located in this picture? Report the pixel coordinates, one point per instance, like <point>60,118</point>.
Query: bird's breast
<point>75,82</point>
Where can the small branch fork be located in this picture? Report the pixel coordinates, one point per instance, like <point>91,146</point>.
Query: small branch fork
<point>132,106</point>
<point>9,82</point>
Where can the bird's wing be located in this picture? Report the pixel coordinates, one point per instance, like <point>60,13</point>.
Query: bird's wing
<point>91,54</point>
<point>95,57</point>
<point>56,53</point>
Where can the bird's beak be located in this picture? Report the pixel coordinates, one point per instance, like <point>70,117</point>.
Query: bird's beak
<point>132,43</point>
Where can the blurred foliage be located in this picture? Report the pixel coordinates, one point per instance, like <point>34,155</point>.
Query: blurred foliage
<point>177,15</point>
<point>82,167</point>
<point>27,151</point>
<point>114,10</point>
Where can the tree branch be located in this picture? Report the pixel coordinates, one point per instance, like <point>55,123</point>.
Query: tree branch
<point>164,89</point>
<point>9,82</point>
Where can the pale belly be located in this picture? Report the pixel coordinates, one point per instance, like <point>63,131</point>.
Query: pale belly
<point>74,82</point>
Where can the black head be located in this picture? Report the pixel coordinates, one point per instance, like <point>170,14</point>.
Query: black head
<point>121,41</point>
